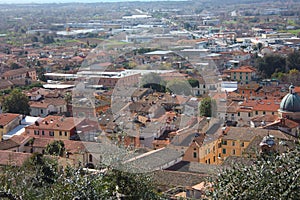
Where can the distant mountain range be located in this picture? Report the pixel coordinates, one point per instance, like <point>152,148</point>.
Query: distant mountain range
<point>99,1</point>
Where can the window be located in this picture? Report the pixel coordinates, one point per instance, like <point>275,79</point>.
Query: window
<point>233,143</point>
<point>224,142</point>
<point>219,145</point>
<point>195,154</point>
<point>51,133</point>
<point>233,151</point>
<point>42,111</point>
<point>60,133</point>
<point>43,132</point>
<point>242,144</point>
<point>256,112</point>
<point>214,158</point>
<point>264,112</point>
<point>207,151</point>
<point>90,158</point>
<point>208,161</point>
<point>36,132</point>
<point>249,114</point>
<point>66,133</point>
<point>224,151</point>
<point>239,114</point>
<point>272,113</point>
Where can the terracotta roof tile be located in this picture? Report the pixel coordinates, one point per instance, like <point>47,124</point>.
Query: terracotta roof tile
<point>46,102</point>
<point>6,118</point>
<point>8,144</point>
<point>56,123</point>
<point>248,69</point>
<point>17,71</point>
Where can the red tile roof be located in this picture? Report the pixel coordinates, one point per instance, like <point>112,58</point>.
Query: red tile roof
<point>6,118</point>
<point>17,71</point>
<point>248,69</point>
<point>261,105</point>
<point>289,123</point>
<point>57,123</point>
<point>47,102</point>
<point>8,144</point>
<point>19,139</point>
<point>71,146</point>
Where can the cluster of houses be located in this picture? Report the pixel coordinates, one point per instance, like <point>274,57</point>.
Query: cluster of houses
<point>98,109</point>
<point>115,111</point>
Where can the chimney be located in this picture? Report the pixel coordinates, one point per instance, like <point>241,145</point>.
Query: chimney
<point>224,132</point>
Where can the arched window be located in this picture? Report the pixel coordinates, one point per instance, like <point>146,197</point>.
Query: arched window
<point>195,154</point>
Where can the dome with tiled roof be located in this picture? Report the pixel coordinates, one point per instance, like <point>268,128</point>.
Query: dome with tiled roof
<point>291,101</point>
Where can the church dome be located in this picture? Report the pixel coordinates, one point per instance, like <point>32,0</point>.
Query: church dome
<point>291,101</point>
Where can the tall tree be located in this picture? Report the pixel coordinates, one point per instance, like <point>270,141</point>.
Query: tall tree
<point>193,82</point>
<point>207,107</point>
<point>14,66</point>
<point>16,102</point>
<point>293,60</point>
<point>154,81</point>
<point>55,148</point>
<point>270,64</point>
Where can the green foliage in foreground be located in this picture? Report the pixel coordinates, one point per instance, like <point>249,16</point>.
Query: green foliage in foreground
<point>41,178</point>
<point>275,177</point>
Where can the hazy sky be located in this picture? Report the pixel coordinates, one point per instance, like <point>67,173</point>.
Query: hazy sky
<point>63,1</point>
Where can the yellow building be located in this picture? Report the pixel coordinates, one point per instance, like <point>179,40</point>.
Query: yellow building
<point>234,141</point>
<point>229,141</point>
<point>203,149</point>
<point>8,121</point>
<point>57,127</point>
